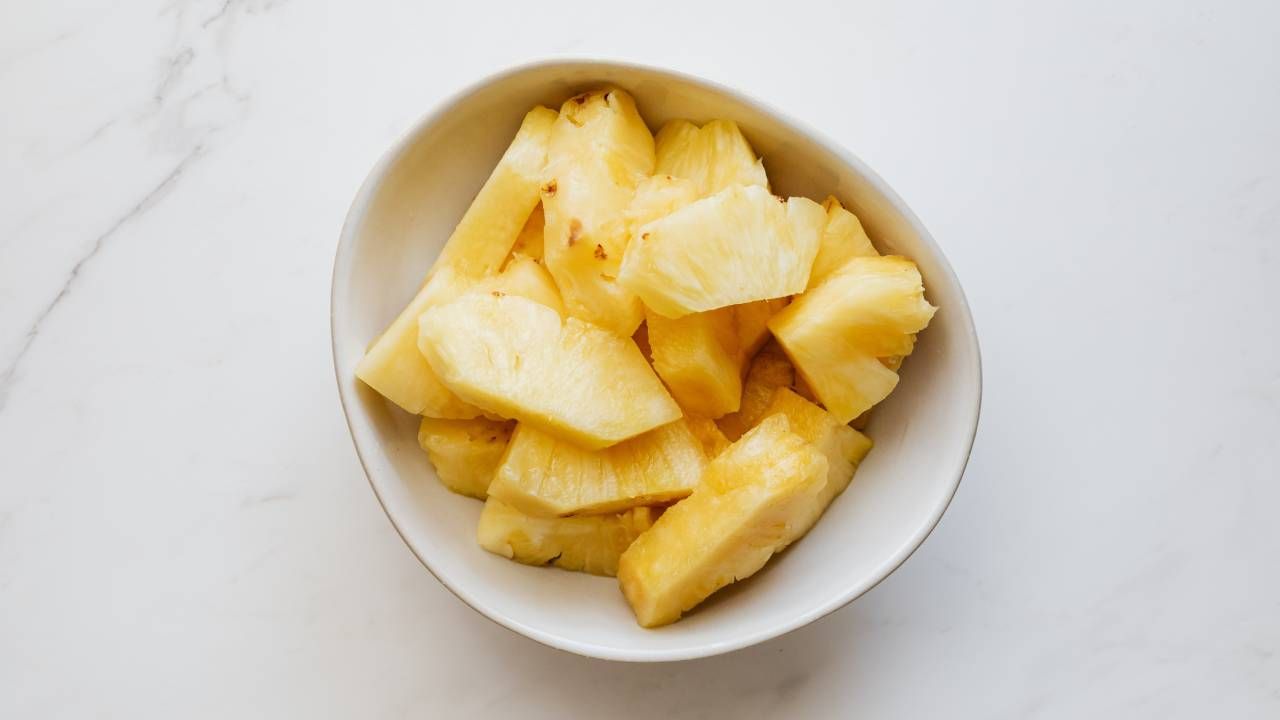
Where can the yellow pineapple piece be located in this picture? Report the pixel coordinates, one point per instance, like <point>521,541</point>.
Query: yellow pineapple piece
<point>590,544</point>
<point>737,246</point>
<point>869,308</point>
<point>843,446</point>
<point>547,477</point>
<point>479,245</point>
<point>708,433</point>
<point>697,356</point>
<point>600,151</point>
<point>745,509</point>
<point>465,453</point>
<point>842,239</point>
<point>770,370</point>
<point>714,156</point>
<point>519,359</point>
<point>529,242</point>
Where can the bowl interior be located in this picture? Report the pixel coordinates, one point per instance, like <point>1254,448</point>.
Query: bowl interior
<point>923,432</point>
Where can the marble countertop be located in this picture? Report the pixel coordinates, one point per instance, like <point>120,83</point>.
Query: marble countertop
<point>185,530</point>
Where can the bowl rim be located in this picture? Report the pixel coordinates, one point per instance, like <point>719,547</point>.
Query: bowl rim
<point>345,250</point>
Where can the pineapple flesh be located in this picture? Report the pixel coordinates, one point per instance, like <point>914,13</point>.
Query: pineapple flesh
<point>600,151</point>
<point>465,453</point>
<point>477,248</point>
<point>713,157</point>
<point>708,433</point>
<point>770,370</point>
<point>869,308</point>
<point>737,246</point>
<point>590,544</point>
<point>843,446</point>
<point>529,242</point>
<point>746,508</point>
<point>698,357</point>
<point>842,239</point>
<point>544,476</point>
<point>519,359</point>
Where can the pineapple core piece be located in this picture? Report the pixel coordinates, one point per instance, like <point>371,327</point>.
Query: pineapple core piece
<point>769,371</point>
<point>737,246</point>
<point>479,245</point>
<point>745,509</point>
<point>842,238</point>
<point>600,150</point>
<point>519,359</point>
<point>843,446</point>
<point>465,453</point>
<point>546,477</point>
<point>590,544</point>
<point>870,307</point>
<point>714,156</point>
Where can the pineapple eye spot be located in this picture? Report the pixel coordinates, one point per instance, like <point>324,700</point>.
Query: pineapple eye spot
<point>550,189</point>
<point>600,254</point>
<point>644,236</point>
<point>580,99</point>
<point>575,231</point>
<point>497,293</point>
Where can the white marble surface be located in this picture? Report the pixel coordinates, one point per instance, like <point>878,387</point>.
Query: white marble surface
<point>184,528</point>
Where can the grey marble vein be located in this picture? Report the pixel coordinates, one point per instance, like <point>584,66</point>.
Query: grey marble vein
<point>148,201</point>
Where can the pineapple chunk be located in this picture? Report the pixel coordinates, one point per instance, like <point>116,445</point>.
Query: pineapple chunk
<point>842,238</point>
<point>529,241</point>
<point>843,446</point>
<point>697,356</point>
<point>465,453</point>
<point>708,433</point>
<point>714,156</point>
<point>547,477</point>
<point>517,358</point>
<point>589,544</point>
<point>479,245</point>
<point>870,307</point>
<point>769,371</point>
<point>745,509</point>
<point>738,246</point>
<point>600,151</point>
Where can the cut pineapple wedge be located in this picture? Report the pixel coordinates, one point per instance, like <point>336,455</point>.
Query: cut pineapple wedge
<point>589,544</point>
<point>737,246</point>
<point>698,357</point>
<point>465,453</point>
<point>714,156</point>
<point>745,509</point>
<point>842,239</point>
<point>600,151</point>
<point>843,446</point>
<point>479,245</point>
<point>518,359</point>
<point>870,307</point>
<point>769,371</point>
<point>547,477</point>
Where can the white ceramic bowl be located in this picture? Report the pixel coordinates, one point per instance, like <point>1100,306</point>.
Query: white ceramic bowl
<point>923,432</point>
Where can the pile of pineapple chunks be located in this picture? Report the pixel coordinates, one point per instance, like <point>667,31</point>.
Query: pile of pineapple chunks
<point>593,353</point>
